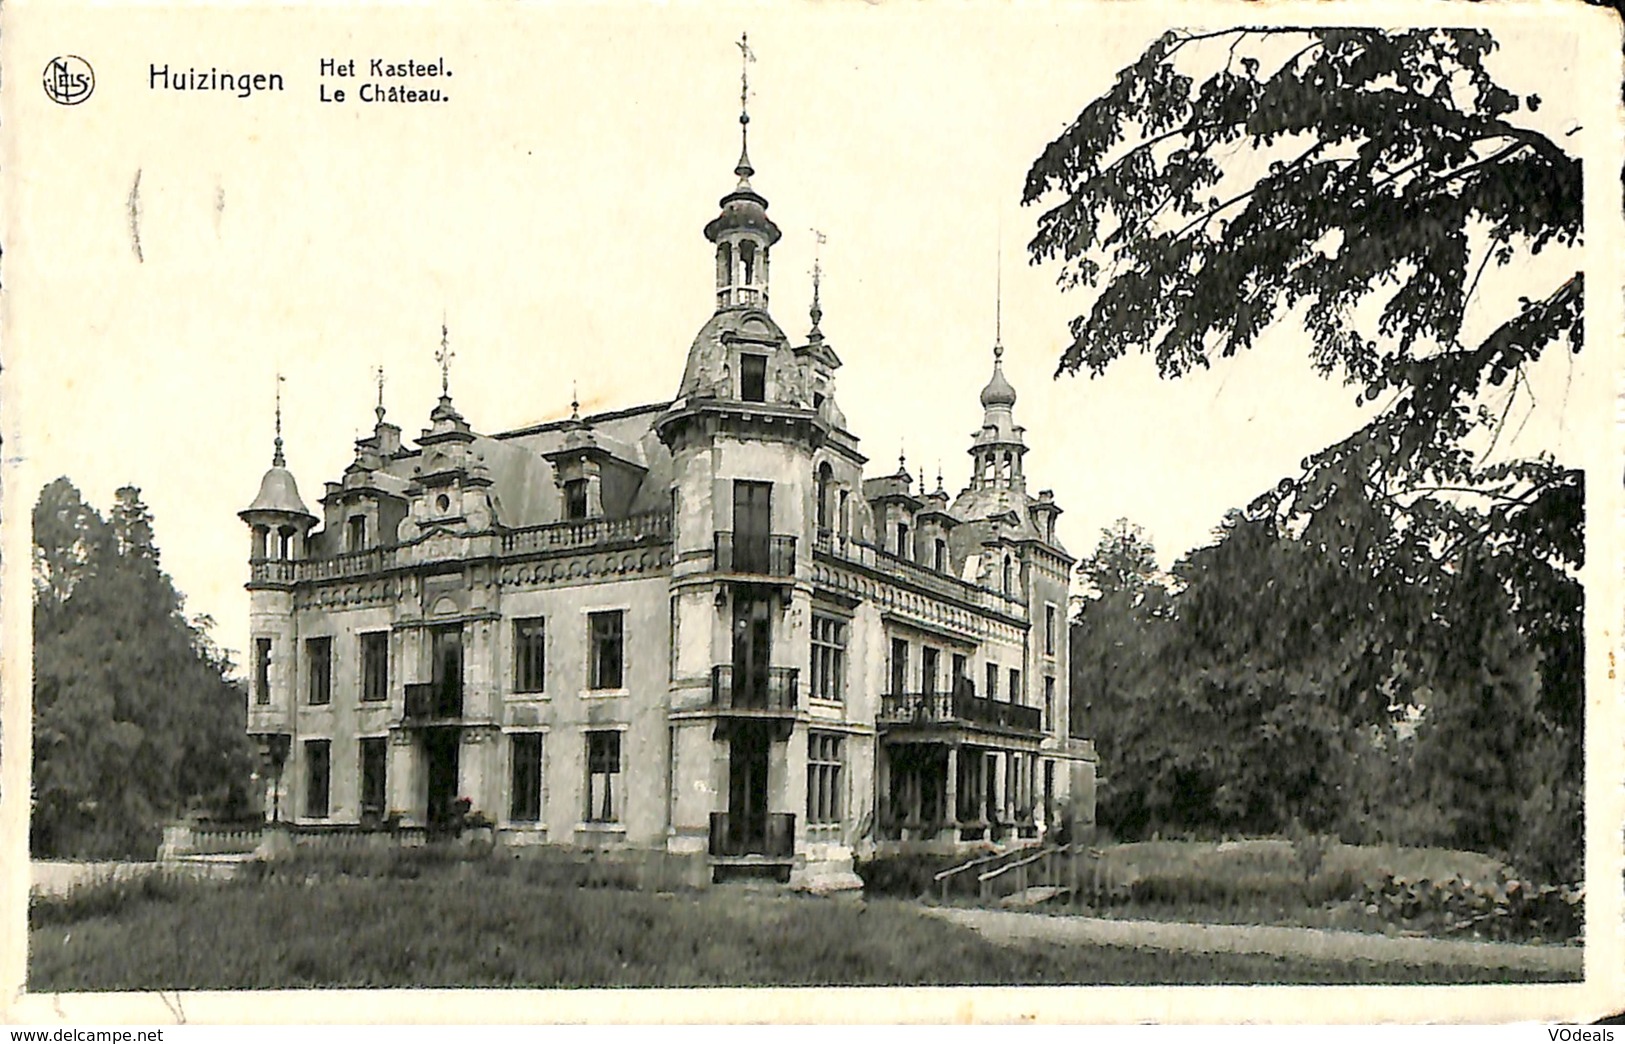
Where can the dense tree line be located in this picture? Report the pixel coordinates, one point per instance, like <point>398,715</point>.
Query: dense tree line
<point>136,716</point>
<point>1389,644</point>
<point>1362,686</point>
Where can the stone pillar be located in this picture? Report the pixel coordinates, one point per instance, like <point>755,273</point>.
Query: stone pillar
<point>883,809</point>
<point>401,777</point>
<point>951,792</point>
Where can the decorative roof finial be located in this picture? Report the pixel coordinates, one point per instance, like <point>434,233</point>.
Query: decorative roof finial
<point>575,402</point>
<point>378,375</point>
<point>939,477</point>
<point>444,356</point>
<point>743,169</point>
<point>902,463</point>
<point>998,300</point>
<point>817,312</point>
<point>277,460</point>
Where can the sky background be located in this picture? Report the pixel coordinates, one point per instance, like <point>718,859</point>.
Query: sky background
<point>552,212</point>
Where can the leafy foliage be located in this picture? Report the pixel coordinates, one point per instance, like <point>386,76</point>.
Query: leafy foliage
<point>1389,644</point>
<point>135,716</point>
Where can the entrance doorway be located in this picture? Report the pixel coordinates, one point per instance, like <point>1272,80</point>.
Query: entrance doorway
<point>747,789</point>
<point>440,752</point>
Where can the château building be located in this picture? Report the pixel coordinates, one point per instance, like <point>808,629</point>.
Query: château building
<point>691,631</point>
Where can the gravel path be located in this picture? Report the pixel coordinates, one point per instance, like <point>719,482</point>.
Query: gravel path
<point>1011,927</point>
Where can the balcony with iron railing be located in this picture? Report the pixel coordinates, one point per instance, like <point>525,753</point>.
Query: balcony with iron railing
<point>770,834</point>
<point>958,709</point>
<point>428,704</point>
<point>755,554</point>
<point>765,691</point>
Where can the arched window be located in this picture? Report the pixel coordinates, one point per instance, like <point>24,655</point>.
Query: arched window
<point>825,474</point>
<point>747,263</point>
<point>725,264</point>
<point>284,543</point>
<point>1007,575</point>
<point>1009,466</point>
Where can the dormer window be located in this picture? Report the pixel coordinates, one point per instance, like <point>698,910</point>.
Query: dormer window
<point>575,499</point>
<point>753,378</point>
<point>355,535</point>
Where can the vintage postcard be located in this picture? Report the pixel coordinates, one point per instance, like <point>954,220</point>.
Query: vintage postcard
<point>1073,512</point>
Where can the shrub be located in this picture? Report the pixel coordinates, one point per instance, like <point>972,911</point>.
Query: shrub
<point>1503,908</point>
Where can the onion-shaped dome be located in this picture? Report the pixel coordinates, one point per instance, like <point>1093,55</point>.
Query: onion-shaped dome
<point>279,493</point>
<point>998,391</point>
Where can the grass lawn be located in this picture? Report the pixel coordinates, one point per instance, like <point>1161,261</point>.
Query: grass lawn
<point>470,930</point>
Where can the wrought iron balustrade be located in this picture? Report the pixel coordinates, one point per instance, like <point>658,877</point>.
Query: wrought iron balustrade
<point>427,703</point>
<point>764,834</point>
<point>765,689</point>
<point>755,554</point>
<point>962,707</point>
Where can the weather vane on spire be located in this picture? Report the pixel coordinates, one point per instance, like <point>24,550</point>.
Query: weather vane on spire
<point>746,56</point>
<point>276,457</point>
<point>998,298</point>
<point>817,275</point>
<point>443,356</point>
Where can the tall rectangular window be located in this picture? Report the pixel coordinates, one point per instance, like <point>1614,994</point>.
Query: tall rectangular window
<point>1049,630</point>
<point>1015,685</point>
<point>940,561</point>
<point>525,791</point>
<point>959,671</point>
<point>928,670</point>
<point>603,776</point>
<point>262,670</point>
<point>753,377</point>
<point>575,499</point>
<point>899,666</point>
<point>529,655</point>
<point>446,669</point>
<point>605,647</point>
<point>992,681</point>
<point>674,636</point>
<point>1049,703</point>
<point>825,763</point>
<point>318,769</point>
<point>828,658</point>
<point>374,769</point>
<point>355,534</point>
<point>902,540</point>
<point>319,662</point>
<point>375,667</point>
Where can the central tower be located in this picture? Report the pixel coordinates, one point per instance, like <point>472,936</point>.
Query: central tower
<point>743,233</point>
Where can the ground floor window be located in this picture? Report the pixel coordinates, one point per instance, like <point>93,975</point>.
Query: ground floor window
<point>826,759</point>
<point>374,760</point>
<point>603,776</point>
<point>525,793</point>
<point>318,772</point>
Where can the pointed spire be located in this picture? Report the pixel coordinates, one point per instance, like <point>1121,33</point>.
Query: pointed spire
<point>277,460</point>
<point>743,168</point>
<point>378,375</point>
<point>998,299</point>
<point>816,312</point>
<point>443,356</point>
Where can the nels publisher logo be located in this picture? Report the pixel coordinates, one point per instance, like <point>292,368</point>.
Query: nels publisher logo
<point>69,80</point>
